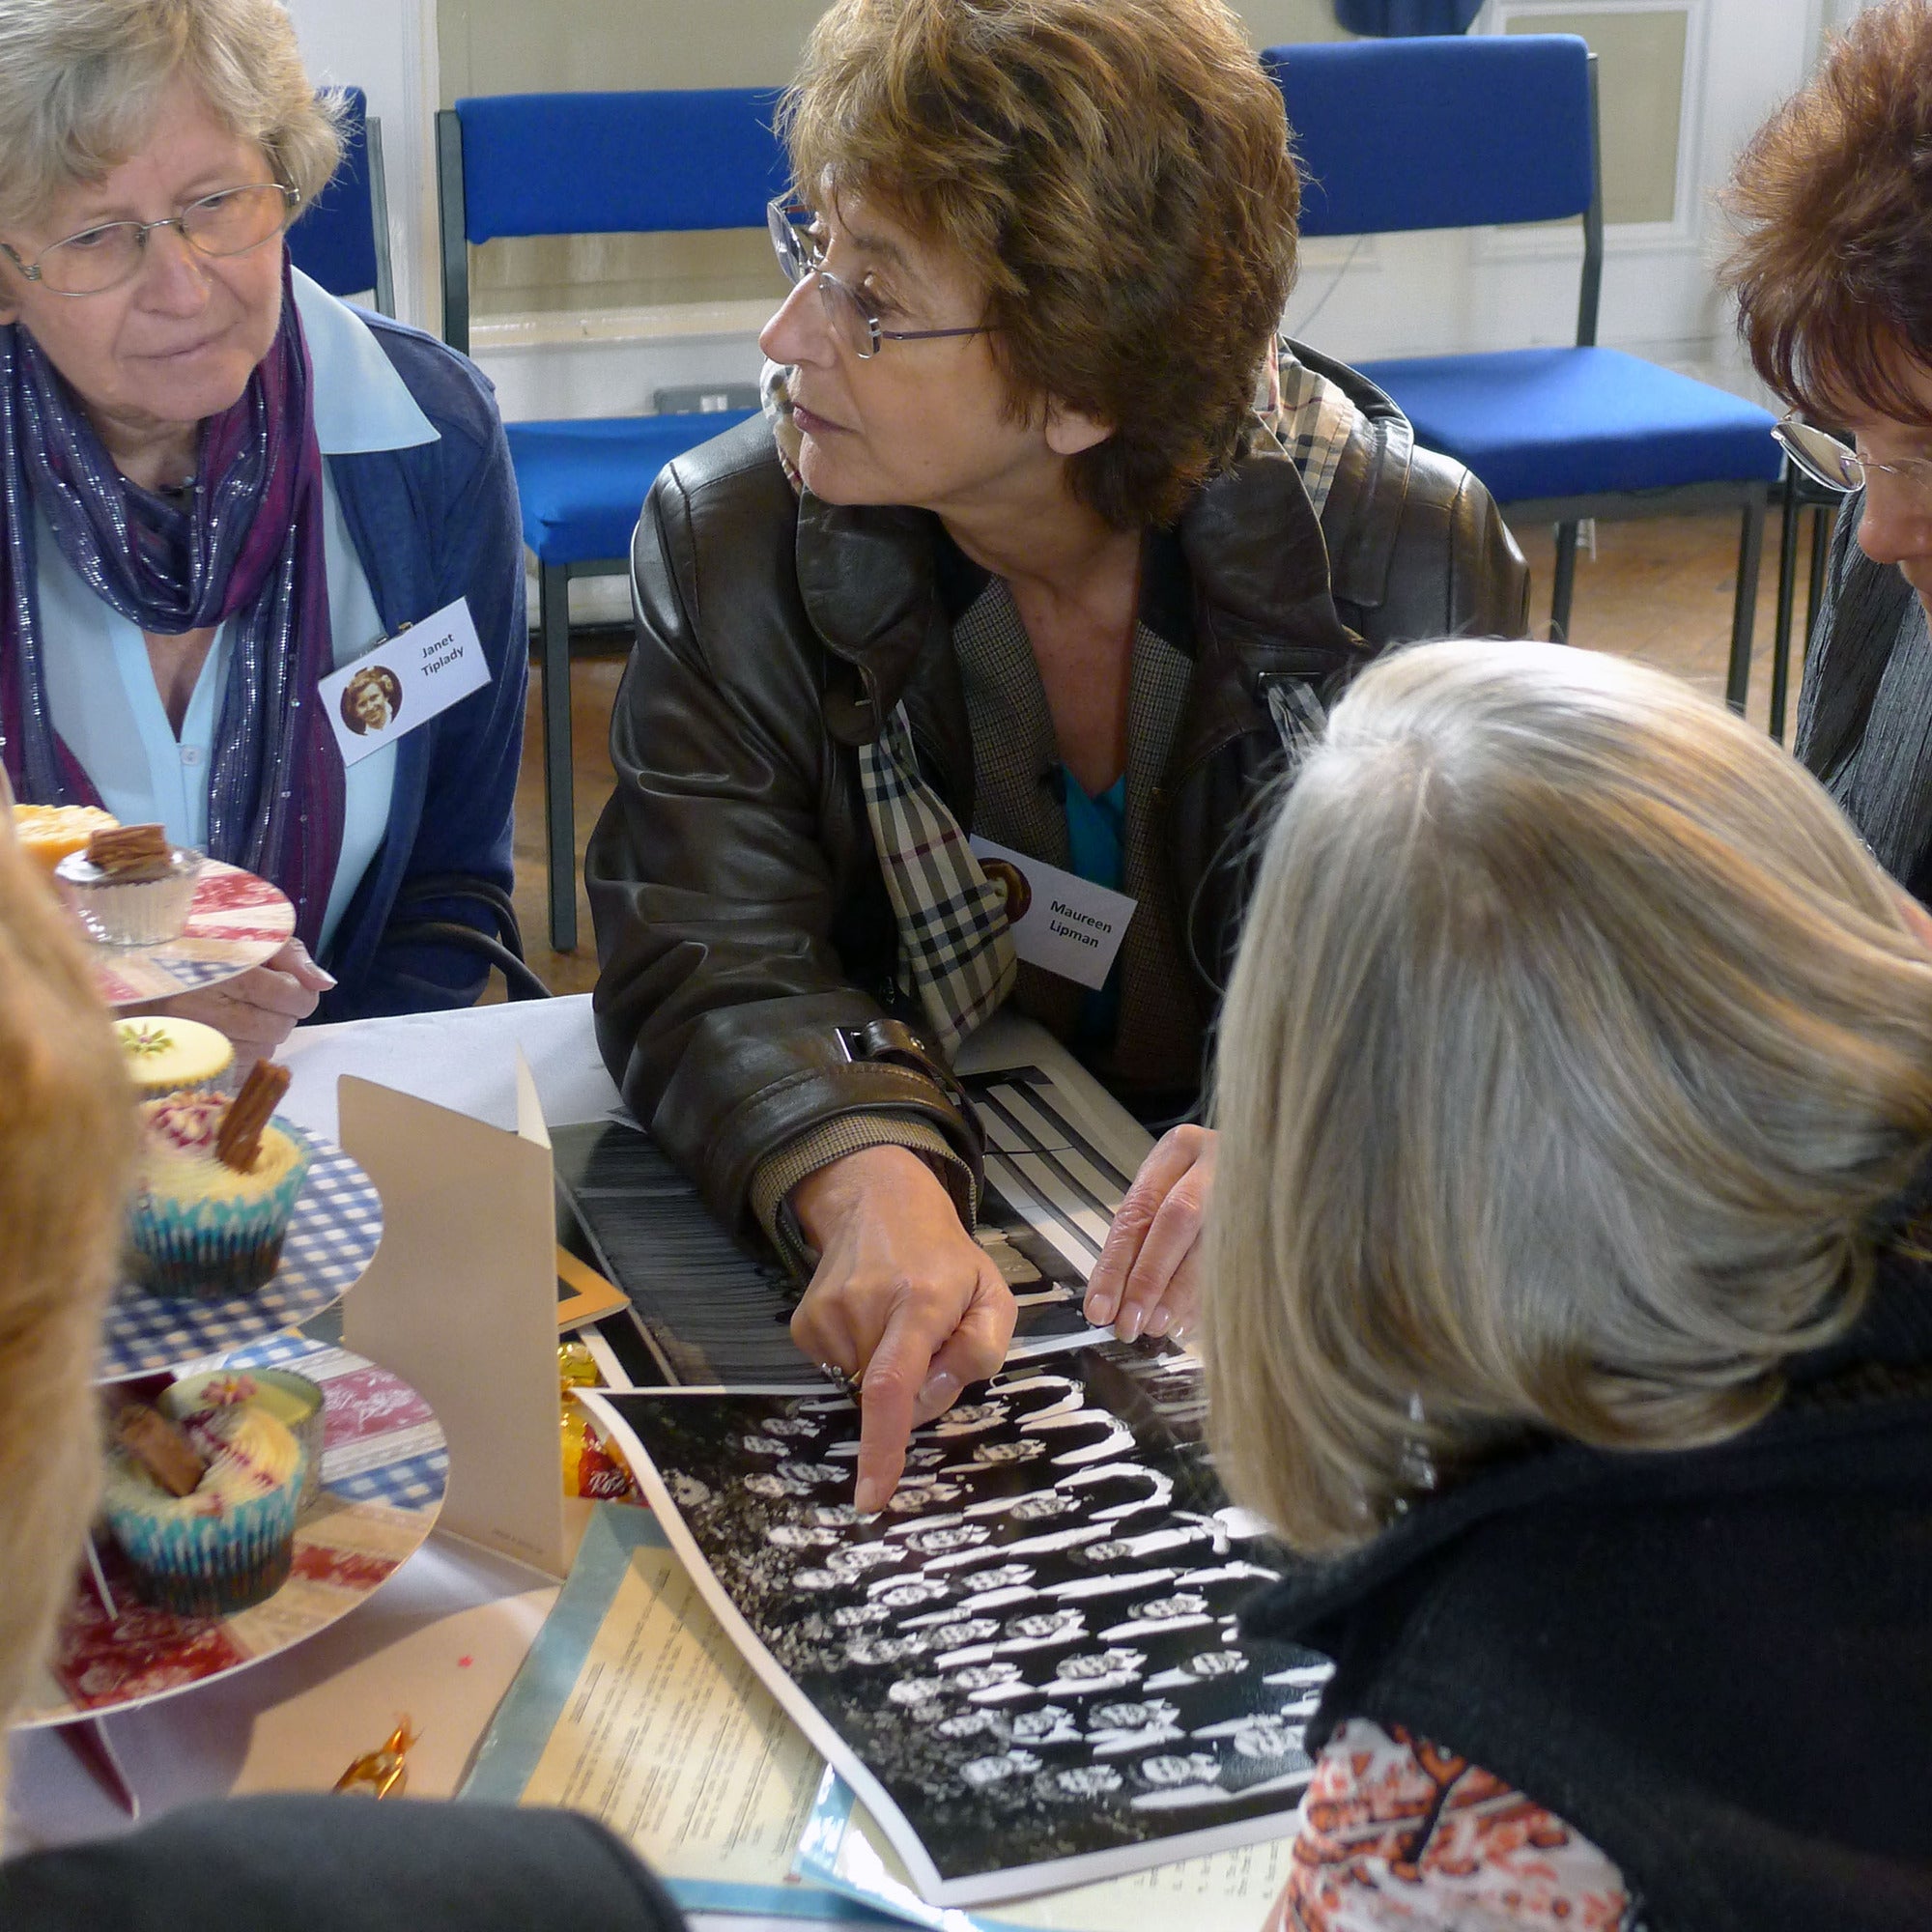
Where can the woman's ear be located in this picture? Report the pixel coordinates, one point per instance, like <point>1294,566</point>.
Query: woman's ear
<point>1068,432</point>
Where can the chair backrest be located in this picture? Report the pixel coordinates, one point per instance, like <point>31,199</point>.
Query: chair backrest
<point>342,236</point>
<point>1447,132</point>
<point>599,164</point>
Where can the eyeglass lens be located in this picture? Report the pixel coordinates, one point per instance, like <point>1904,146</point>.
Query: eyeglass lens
<point>799,258</point>
<point>228,223</point>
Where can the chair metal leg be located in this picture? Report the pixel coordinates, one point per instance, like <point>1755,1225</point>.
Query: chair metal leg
<point>1823,522</point>
<point>1744,610</point>
<point>1563,584</point>
<point>559,803</point>
<point>1787,587</point>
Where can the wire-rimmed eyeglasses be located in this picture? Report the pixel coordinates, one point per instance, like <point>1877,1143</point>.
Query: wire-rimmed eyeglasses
<point>1839,466</point>
<point>230,221</point>
<point>798,253</point>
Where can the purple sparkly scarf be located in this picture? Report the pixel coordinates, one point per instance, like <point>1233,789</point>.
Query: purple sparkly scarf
<point>249,546</point>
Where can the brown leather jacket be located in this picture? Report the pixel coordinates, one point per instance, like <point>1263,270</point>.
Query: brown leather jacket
<point>743,927</point>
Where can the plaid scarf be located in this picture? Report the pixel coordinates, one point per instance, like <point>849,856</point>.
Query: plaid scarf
<point>248,548</point>
<point>955,946</point>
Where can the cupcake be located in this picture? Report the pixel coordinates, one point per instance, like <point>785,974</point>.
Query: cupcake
<point>292,1399</point>
<point>204,1510</point>
<point>169,1056</point>
<point>48,832</point>
<point>130,887</point>
<point>218,1181</point>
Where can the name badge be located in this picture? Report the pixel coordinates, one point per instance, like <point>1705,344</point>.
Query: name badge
<point>1060,920</point>
<point>405,681</point>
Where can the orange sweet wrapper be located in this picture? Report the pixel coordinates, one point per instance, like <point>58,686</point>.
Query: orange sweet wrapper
<point>591,1467</point>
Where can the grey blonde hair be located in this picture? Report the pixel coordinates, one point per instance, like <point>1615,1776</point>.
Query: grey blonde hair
<point>79,80</point>
<point>67,1133</point>
<point>1573,1043</point>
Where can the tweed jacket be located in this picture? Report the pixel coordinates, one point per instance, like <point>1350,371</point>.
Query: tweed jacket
<point>746,940</point>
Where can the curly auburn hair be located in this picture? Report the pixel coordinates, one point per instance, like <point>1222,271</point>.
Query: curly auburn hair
<point>1117,175</point>
<point>1833,272</point>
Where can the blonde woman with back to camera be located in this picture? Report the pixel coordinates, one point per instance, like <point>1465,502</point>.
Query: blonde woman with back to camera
<point>1566,1307</point>
<point>270,1865</point>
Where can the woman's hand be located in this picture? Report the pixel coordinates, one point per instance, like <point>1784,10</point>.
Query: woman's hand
<point>904,1300</point>
<point>257,1009</point>
<point>1148,1279</point>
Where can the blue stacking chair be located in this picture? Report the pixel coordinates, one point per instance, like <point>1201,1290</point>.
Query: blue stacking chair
<point>341,238</point>
<point>1447,132</point>
<point>592,165</point>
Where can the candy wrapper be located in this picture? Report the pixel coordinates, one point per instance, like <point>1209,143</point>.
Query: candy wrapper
<point>591,1469</point>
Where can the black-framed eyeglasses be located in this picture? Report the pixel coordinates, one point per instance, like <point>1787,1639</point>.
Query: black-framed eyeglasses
<point>230,221</point>
<point>1837,466</point>
<point>798,253</point>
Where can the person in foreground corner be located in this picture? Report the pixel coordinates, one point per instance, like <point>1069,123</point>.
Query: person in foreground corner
<point>1019,556</point>
<point>1568,1308</point>
<point>221,484</point>
<point>1833,278</point>
<point>271,1865</point>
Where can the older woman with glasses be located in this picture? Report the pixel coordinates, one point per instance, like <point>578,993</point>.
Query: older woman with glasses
<point>221,485</point>
<point>1834,275</point>
<point>1047,546</point>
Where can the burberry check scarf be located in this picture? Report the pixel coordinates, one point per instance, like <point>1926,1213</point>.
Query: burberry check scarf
<point>955,948</point>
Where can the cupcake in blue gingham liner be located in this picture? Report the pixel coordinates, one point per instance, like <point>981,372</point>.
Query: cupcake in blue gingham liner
<point>230,1540</point>
<point>201,1225</point>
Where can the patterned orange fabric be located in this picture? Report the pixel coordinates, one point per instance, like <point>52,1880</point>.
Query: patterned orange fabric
<point>1398,1832</point>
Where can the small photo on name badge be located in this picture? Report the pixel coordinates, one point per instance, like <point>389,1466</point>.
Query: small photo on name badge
<point>403,681</point>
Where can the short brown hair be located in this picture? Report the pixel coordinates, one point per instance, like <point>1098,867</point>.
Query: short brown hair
<point>1575,1053</point>
<point>1114,172</point>
<point>1834,272</point>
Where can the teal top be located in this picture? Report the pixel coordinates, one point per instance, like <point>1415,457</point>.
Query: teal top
<point>1095,829</point>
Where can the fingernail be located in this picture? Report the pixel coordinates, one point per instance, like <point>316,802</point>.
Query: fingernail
<point>938,1393</point>
<point>1128,1326</point>
<point>328,980</point>
<point>1098,1309</point>
<point>1158,1322</point>
<point>869,1497</point>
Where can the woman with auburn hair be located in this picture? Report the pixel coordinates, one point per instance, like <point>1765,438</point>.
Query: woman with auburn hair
<point>220,485</point>
<point>1833,278</point>
<point>1046,541</point>
<point>329,1864</point>
<point>1568,1308</point>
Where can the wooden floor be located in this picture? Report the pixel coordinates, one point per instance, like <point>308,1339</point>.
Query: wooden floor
<point>1659,590</point>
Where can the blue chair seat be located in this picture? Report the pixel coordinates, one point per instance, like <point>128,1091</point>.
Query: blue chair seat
<point>1542,423</point>
<point>582,482</point>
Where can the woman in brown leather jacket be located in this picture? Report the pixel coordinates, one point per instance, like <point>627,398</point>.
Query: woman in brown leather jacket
<point>1045,542</point>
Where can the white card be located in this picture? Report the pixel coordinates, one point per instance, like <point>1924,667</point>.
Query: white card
<point>1061,921</point>
<point>405,681</point>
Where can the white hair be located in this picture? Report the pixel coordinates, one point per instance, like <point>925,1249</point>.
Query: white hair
<point>1574,1044</point>
<point>79,80</point>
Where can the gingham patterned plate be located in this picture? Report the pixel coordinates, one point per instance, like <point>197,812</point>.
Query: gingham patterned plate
<point>336,1225</point>
<point>234,921</point>
<point>384,1467</point>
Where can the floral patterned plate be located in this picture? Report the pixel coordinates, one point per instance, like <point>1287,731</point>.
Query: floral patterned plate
<point>234,921</point>
<point>384,1467</point>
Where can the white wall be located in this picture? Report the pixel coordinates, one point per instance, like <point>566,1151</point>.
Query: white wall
<point>388,48</point>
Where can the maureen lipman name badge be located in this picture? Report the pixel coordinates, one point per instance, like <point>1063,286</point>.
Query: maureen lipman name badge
<point>403,681</point>
<point>1060,920</point>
